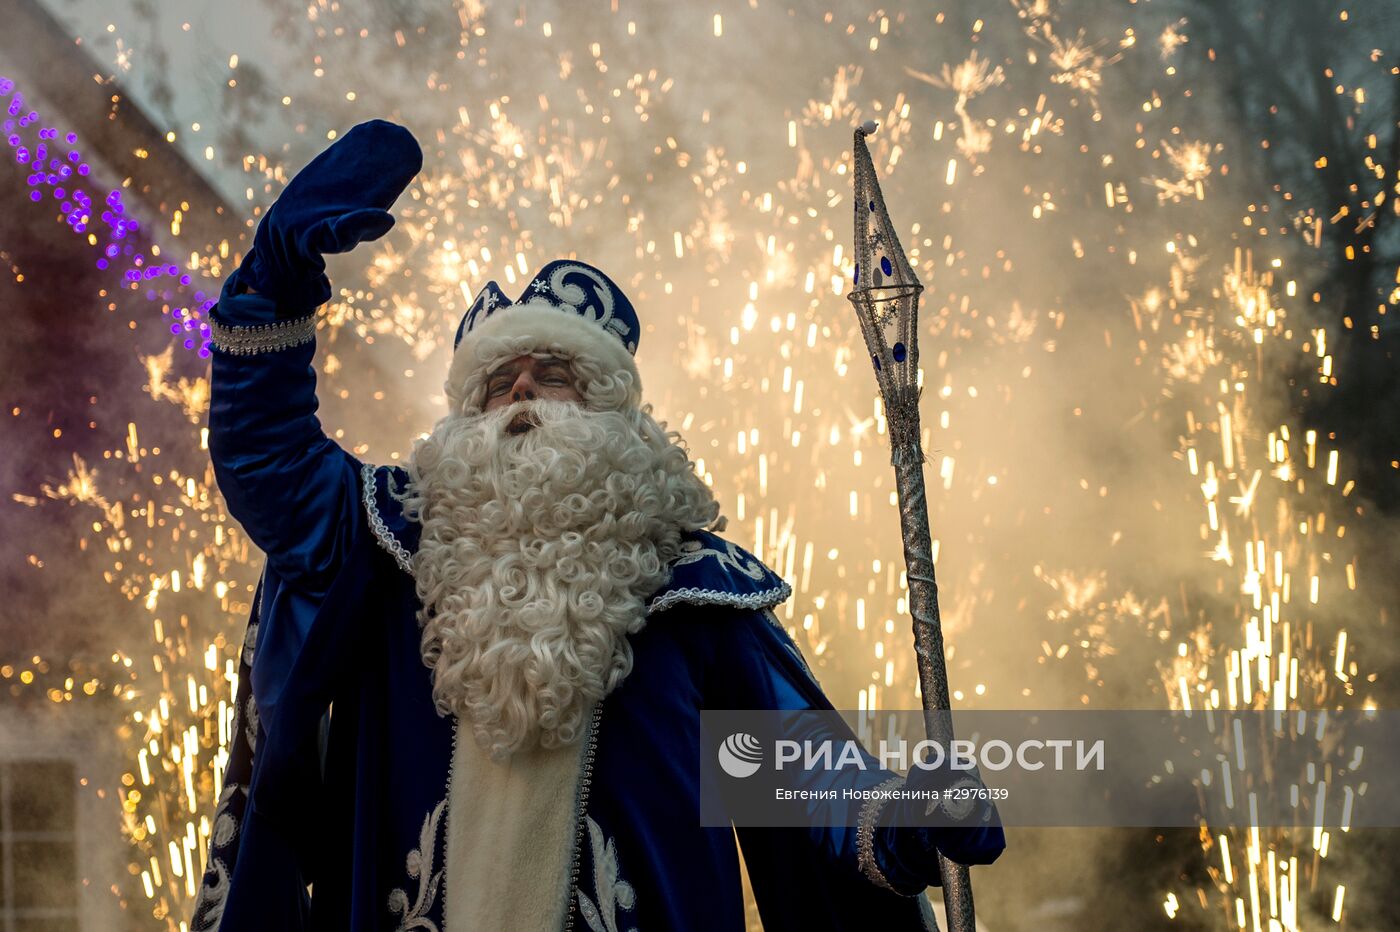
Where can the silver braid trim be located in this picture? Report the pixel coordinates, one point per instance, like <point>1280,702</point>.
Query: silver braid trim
<point>581,793</point>
<point>263,338</point>
<point>865,832</point>
<point>382,535</point>
<point>694,596</point>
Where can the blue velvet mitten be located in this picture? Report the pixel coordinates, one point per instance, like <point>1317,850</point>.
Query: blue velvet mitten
<point>339,200</point>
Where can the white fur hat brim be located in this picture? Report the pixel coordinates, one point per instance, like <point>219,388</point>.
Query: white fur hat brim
<point>530,327</point>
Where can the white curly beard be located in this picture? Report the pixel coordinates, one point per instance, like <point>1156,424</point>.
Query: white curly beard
<point>537,553</point>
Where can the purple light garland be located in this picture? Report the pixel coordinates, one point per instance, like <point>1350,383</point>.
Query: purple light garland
<point>53,170</point>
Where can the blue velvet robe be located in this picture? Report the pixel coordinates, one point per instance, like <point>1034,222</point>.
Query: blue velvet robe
<point>337,821</point>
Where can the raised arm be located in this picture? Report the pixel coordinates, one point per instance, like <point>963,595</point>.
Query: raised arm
<point>295,491</point>
<point>290,486</point>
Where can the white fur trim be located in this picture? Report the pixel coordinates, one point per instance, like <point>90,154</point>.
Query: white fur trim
<point>550,329</point>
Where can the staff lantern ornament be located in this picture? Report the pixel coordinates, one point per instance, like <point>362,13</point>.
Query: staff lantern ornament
<point>886,293</point>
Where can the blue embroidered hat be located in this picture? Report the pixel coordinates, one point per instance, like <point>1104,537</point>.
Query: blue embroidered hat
<point>487,300</point>
<point>569,308</point>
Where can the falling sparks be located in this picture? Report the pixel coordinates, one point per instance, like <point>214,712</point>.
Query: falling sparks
<point>967,80</point>
<point>1076,63</point>
<point>1172,38</point>
<point>739,270</point>
<point>1267,662</point>
<point>1079,64</point>
<point>1190,163</point>
<point>173,551</point>
<point>191,395</point>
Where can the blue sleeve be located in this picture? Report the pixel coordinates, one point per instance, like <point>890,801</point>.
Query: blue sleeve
<point>293,489</point>
<point>904,859</point>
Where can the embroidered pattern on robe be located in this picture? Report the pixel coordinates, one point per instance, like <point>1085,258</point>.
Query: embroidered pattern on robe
<point>610,891</point>
<point>420,863</point>
<point>208,911</point>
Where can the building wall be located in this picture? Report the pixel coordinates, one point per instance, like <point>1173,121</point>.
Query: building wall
<point>61,847</point>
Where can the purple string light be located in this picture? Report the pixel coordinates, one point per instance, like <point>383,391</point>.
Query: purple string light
<point>57,168</point>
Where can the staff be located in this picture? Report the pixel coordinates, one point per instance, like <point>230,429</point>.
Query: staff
<point>886,298</point>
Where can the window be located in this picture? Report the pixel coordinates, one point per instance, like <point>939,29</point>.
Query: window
<point>38,856</point>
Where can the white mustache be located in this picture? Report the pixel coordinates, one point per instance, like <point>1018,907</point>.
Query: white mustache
<point>522,423</point>
<point>520,417</point>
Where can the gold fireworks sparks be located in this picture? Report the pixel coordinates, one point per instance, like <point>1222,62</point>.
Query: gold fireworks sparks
<point>1267,496</point>
<point>1078,64</point>
<point>967,80</point>
<point>190,395</point>
<point>1172,38</point>
<point>173,552</point>
<point>1075,62</point>
<point>740,269</point>
<point>1191,166</point>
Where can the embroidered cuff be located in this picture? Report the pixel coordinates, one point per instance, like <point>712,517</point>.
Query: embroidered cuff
<point>263,338</point>
<point>382,535</point>
<point>865,833</point>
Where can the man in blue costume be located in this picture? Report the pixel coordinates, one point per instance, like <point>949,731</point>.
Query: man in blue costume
<point>517,632</point>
